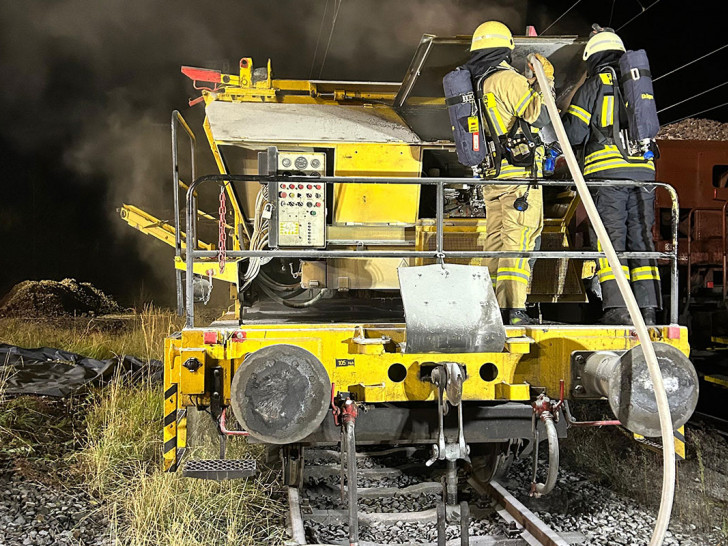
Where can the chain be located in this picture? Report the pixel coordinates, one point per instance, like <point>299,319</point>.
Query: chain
<point>221,244</point>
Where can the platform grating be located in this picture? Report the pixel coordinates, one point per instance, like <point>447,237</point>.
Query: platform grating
<point>220,469</point>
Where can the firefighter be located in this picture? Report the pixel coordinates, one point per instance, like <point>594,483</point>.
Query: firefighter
<point>512,106</point>
<point>628,213</point>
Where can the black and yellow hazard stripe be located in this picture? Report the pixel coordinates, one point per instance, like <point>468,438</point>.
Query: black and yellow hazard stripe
<point>679,436</point>
<point>170,428</point>
<point>680,443</point>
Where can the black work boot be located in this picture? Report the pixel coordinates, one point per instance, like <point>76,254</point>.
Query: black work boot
<point>616,315</point>
<point>650,315</point>
<point>519,317</point>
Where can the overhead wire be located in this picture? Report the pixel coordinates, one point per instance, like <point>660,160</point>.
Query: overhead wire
<point>688,64</point>
<point>318,39</point>
<point>611,13</point>
<point>697,113</point>
<point>561,16</point>
<point>644,9</point>
<point>331,33</point>
<point>693,97</point>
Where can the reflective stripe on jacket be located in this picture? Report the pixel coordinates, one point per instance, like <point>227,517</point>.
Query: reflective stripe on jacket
<point>514,98</point>
<point>589,121</point>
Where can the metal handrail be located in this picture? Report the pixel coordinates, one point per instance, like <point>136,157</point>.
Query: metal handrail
<point>439,253</point>
<point>179,121</point>
<point>724,247</point>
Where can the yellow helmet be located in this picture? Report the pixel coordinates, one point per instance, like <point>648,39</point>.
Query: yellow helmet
<point>604,40</point>
<point>491,34</point>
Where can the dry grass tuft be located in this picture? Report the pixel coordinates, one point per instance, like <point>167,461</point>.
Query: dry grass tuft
<point>122,466</point>
<point>120,462</point>
<point>139,334</point>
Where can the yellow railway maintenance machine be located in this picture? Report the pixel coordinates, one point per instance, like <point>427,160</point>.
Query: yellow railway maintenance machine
<point>353,242</point>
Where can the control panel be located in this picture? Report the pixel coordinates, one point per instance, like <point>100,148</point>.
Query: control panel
<point>299,217</point>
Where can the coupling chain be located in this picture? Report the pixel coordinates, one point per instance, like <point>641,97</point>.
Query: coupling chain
<point>221,253</point>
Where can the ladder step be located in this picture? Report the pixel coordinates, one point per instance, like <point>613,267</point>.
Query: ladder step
<point>220,469</point>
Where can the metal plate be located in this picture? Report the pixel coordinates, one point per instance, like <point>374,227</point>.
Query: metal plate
<point>280,394</point>
<point>632,395</point>
<point>220,469</point>
<point>451,308</point>
<point>295,123</point>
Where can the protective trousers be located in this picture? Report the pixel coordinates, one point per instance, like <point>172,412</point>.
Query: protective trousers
<point>510,229</point>
<point>628,214</point>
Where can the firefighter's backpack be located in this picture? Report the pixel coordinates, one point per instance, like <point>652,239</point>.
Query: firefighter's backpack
<point>462,107</point>
<point>636,86</point>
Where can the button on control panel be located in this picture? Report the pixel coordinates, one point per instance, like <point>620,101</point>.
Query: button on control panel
<point>300,207</point>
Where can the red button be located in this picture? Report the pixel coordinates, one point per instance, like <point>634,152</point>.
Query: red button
<point>318,204</point>
<point>300,186</point>
<point>283,194</point>
<point>308,186</point>
<point>318,186</point>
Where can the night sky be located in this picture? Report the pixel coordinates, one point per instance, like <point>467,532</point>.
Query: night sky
<point>89,86</point>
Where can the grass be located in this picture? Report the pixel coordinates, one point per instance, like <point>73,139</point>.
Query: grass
<point>140,334</point>
<point>626,467</point>
<point>116,450</point>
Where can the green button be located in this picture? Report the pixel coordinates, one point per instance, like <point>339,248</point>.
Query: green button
<point>313,213</point>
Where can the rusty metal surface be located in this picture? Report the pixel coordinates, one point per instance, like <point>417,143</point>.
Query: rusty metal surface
<point>687,165</point>
<point>527,519</point>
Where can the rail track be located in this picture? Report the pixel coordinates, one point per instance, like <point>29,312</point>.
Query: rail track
<point>400,502</point>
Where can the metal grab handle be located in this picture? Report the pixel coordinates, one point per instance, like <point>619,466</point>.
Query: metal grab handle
<point>179,121</point>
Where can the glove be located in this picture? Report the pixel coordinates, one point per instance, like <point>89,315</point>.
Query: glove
<point>548,68</point>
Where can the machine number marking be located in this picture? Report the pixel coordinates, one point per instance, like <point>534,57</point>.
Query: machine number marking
<point>344,362</point>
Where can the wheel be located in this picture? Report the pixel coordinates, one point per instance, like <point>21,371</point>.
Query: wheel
<point>490,461</point>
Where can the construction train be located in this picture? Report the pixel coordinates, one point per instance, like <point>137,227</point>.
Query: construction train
<point>352,241</point>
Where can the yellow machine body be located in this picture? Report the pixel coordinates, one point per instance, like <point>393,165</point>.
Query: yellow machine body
<point>360,128</point>
<point>534,357</point>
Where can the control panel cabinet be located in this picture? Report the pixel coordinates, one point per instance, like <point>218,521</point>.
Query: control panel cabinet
<point>299,209</point>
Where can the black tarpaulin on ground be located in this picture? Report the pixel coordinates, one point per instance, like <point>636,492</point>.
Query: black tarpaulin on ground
<point>53,372</point>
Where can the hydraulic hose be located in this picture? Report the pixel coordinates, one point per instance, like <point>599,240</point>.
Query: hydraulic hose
<point>288,302</point>
<point>553,439</point>
<point>663,408</point>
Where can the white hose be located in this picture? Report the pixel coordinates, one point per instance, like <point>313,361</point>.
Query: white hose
<point>663,408</point>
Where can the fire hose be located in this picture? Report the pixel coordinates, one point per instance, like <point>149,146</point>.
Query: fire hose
<point>663,408</point>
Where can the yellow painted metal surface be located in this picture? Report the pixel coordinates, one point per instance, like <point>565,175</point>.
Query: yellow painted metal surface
<point>376,204</point>
<point>211,269</point>
<point>656,445</point>
<point>159,229</point>
<point>717,379</point>
<point>192,381</point>
<point>365,368</point>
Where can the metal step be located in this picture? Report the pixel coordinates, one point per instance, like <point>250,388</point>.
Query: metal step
<point>220,469</point>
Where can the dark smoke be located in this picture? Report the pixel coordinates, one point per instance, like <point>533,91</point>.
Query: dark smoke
<point>88,91</point>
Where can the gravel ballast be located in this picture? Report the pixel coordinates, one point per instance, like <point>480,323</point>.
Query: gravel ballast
<point>34,513</point>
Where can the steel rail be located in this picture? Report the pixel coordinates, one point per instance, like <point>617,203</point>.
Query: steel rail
<point>439,253</point>
<point>531,530</point>
<point>522,515</point>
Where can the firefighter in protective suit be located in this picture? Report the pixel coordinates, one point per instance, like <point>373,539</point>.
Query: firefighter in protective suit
<point>628,213</point>
<point>512,107</point>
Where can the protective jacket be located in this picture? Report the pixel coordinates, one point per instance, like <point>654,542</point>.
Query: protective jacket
<point>589,121</point>
<point>507,96</point>
<point>627,212</point>
<point>512,97</point>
